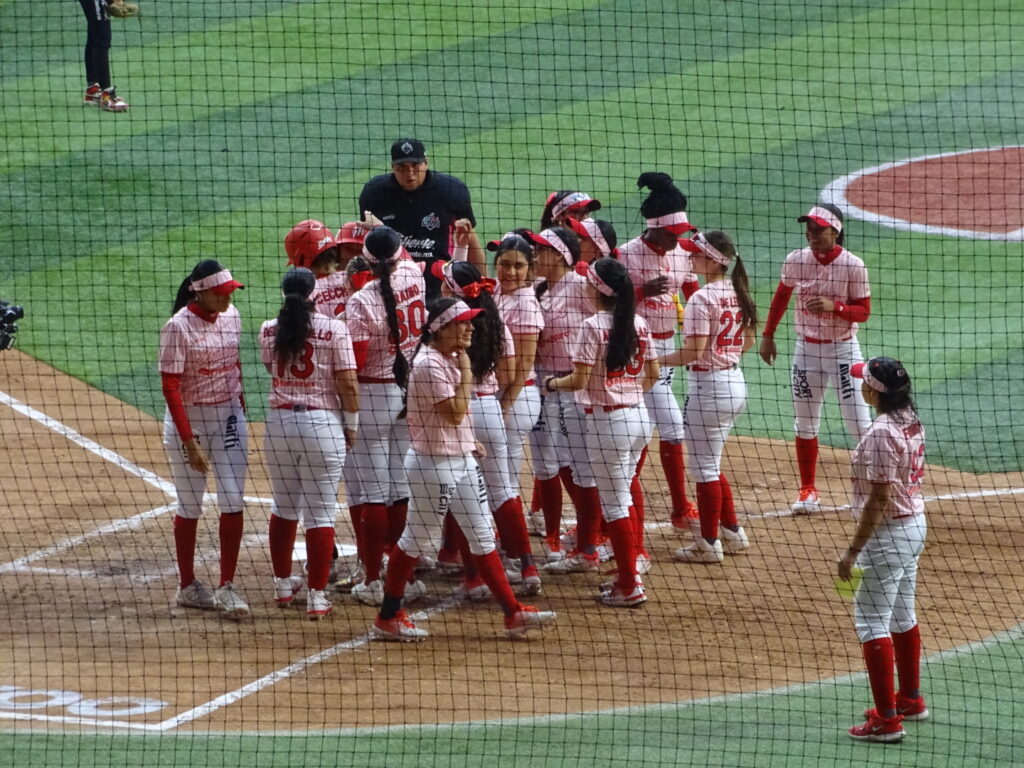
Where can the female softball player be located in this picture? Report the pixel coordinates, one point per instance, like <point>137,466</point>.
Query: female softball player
<point>492,357</point>
<point>613,362</point>
<point>660,269</point>
<point>719,327</point>
<point>384,319</point>
<point>833,296</point>
<point>444,475</point>
<point>310,244</point>
<point>888,469</point>
<point>205,427</point>
<point>558,442</point>
<point>597,238</point>
<point>314,411</point>
<point>564,203</point>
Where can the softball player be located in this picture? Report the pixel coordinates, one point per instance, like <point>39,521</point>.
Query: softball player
<point>613,362</point>
<point>888,469</point>
<point>833,296</point>
<point>718,328</point>
<point>597,238</point>
<point>384,319</point>
<point>444,475</point>
<point>493,358</point>
<point>314,411</point>
<point>205,427</point>
<point>558,442</point>
<point>312,245</point>
<point>660,269</point>
<point>565,203</point>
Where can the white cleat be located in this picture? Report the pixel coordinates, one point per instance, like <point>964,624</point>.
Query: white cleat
<point>527,618</point>
<point>230,602</point>
<point>701,552</point>
<point>317,605</point>
<point>400,629</point>
<point>196,595</point>
<point>369,594</point>
<point>732,543</point>
<point>285,590</point>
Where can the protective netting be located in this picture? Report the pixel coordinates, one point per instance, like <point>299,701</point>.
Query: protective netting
<point>192,132</point>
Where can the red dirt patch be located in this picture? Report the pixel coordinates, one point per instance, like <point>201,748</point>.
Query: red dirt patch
<point>982,191</point>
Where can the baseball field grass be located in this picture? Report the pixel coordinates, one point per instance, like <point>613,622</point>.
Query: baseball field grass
<point>248,116</point>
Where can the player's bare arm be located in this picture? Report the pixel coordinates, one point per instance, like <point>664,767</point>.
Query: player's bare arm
<point>693,347</point>
<point>571,382</point>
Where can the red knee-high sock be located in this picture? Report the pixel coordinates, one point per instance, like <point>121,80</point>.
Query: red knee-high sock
<point>728,504</point>
<point>469,572</point>
<point>185,548</point>
<point>624,544</point>
<point>709,505</point>
<point>319,546</point>
<point>355,513</point>
<point>675,474</point>
<point>230,535</point>
<point>512,528</point>
<point>282,544</point>
<point>636,491</point>
<point>375,538</point>
<point>879,658</point>
<point>565,475</point>
<point>493,573</point>
<point>907,650</point>
<point>400,569</point>
<point>807,460</point>
<point>637,520</point>
<point>535,498</point>
<point>551,504</point>
<point>449,547</point>
<point>397,513</point>
<point>588,517</point>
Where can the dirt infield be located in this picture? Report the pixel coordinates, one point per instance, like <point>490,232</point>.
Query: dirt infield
<point>93,617</point>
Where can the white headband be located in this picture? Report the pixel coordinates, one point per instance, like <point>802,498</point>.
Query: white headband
<point>450,315</point>
<point>679,217</point>
<point>370,257</point>
<point>595,280</point>
<point>569,201</point>
<point>709,250</point>
<point>817,212</point>
<point>211,281</point>
<point>552,238</point>
<point>872,382</point>
<point>596,236</point>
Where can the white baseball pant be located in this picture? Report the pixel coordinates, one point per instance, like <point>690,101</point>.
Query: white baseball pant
<point>714,400</point>
<point>489,430</point>
<point>548,449</point>
<point>519,422</point>
<point>222,432</point>
<point>661,401</point>
<point>619,438</point>
<point>373,472</point>
<point>442,484</point>
<point>305,455</point>
<point>884,601</point>
<point>576,429</point>
<point>815,368</point>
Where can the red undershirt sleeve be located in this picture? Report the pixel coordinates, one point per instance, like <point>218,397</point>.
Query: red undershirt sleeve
<point>362,351</point>
<point>171,385</point>
<point>780,302</point>
<point>690,288</point>
<point>857,311</point>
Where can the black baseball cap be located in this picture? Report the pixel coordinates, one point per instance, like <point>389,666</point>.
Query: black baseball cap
<point>883,374</point>
<point>408,151</point>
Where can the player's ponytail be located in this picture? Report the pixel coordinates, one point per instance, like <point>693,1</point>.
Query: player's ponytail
<point>295,319</point>
<point>185,294</point>
<point>622,339</point>
<point>383,244</point>
<point>488,330</point>
<point>740,281</point>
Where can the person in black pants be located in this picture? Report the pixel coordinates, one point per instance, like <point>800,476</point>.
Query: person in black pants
<point>99,91</point>
<point>432,211</point>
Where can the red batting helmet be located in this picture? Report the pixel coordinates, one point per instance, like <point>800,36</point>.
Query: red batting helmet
<point>307,240</point>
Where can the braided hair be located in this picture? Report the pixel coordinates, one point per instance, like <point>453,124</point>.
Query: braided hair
<point>383,244</point>
<point>295,319</point>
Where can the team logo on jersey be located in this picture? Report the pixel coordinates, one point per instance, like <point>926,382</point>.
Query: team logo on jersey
<point>431,221</point>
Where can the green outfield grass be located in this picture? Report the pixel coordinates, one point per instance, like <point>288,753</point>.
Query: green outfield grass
<point>248,116</point>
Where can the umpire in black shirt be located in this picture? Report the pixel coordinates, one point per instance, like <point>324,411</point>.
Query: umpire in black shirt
<point>424,206</point>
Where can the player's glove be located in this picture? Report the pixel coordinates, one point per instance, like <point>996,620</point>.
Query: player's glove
<point>119,9</point>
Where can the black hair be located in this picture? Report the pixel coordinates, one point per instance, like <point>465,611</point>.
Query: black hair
<point>664,198</point>
<point>185,294</point>
<point>295,319</point>
<point>622,339</point>
<point>434,308</point>
<point>383,243</point>
<point>896,398</point>
<point>546,219</point>
<point>358,264</point>
<point>740,280</point>
<point>488,342</point>
<point>515,242</point>
<point>838,212</point>
<point>608,233</point>
<point>572,242</point>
